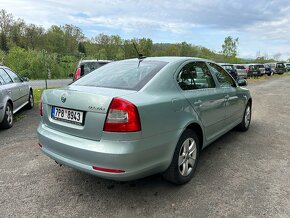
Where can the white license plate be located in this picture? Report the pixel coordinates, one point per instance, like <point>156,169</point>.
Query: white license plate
<point>67,115</point>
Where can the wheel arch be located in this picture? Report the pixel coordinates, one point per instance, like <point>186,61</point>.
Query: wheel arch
<point>199,132</point>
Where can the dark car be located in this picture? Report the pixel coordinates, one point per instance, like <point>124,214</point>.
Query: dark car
<point>268,70</point>
<point>231,69</point>
<point>253,70</point>
<point>86,66</point>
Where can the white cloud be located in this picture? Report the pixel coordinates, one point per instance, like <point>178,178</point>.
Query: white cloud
<point>193,20</point>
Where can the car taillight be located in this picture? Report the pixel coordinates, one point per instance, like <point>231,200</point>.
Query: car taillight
<point>77,74</point>
<point>122,116</point>
<point>40,107</point>
<point>247,70</point>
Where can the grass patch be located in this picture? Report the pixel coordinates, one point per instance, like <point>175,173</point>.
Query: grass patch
<point>37,94</point>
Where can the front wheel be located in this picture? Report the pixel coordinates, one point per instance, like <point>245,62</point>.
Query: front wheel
<point>245,124</point>
<point>8,117</point>
<point>185,159</point>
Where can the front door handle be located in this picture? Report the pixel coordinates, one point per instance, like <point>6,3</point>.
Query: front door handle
<point>227,97</point>
<point>9,91</point>
<point>198,103</point>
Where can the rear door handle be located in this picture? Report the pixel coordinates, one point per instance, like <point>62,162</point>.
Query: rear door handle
<point>227,97</point>
<point>9,91</point>
<point>198,103</point>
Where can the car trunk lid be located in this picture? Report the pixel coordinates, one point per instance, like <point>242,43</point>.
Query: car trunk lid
<point>91,102</point>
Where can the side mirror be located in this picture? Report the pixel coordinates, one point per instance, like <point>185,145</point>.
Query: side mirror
<point>25,79</point>
<point>242,82</point>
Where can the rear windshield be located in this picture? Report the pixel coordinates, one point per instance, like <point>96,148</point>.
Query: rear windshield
<point>260,66</point>
<point>122,75</point>
<point>253,67</point>
<point>280,65</point>
<point>91,66</point>
<point>228,67</point>
<point>240,67</point>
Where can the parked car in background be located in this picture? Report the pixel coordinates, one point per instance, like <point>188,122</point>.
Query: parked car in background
<point>252,70</point>
<point>277,68</point>
<point>287,66</point>
<point>231,69</point>
<point>268,70</point>
<point>241,71</point>
<point>84,67</point>
<point>262,69</point>
<point>134,118</point>
<point>15,93</point>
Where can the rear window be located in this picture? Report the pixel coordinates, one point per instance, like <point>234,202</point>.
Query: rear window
<point>260,66</point>
<point>122,75</point>
<point>240,67</point>
<point>253,67</point>
<point>228,67</point>
<point>280,65</point>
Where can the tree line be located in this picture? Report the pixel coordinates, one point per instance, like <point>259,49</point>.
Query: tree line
<point>36,52</point>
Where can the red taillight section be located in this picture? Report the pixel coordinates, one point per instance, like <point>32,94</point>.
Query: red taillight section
<point>247,70</point>
<point>77,74</point>
<point>108,170</point>
<point>122,116</point>
<point>40,107</point>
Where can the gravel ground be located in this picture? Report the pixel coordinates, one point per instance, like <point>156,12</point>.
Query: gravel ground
<point>239,175</point>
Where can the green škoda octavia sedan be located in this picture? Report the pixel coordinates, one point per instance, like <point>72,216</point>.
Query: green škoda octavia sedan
<point>134,118</point>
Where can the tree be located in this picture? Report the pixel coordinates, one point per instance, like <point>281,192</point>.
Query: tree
<point>5,25</point>
<point>230,47</point>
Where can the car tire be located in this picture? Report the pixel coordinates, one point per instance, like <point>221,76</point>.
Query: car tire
<point>30,103</point>
<point>8,119</point>
<point>185,159</point>
<point>245,124</point>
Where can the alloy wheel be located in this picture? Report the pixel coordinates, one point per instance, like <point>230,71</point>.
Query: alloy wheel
<point>187,157</point>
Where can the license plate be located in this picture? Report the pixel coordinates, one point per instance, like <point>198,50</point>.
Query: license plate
<point>255,72</point>
<point>67,115</point>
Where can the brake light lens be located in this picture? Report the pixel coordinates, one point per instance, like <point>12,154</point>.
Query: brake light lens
<point>247,70</point>
<point>77,74</point>
<point>122,116</point>
<point>40,107</point>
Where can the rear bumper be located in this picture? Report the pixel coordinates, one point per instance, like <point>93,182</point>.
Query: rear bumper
<point>137,158</point>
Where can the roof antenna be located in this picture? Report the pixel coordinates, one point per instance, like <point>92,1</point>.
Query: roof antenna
<point>140,56</point>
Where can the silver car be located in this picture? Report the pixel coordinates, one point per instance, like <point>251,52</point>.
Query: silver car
<point>15,93</point>
<point>138,117</point>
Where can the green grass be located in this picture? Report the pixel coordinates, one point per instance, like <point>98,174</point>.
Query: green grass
<point>37,94</point>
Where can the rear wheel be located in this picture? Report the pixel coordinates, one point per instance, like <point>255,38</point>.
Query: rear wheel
<point>245,124</point>
<point>30,103</point>
<point>185,159</point>
<point>8,117</point>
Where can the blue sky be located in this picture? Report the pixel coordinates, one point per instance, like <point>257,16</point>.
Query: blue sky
<point>263,26</point>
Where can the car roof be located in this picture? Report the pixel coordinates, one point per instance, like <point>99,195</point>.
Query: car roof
<point>84,61</point>
<point>171,59</point>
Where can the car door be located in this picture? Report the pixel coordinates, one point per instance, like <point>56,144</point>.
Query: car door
<point>234,103</point>
<point>9,89</point>
<point>21,88</point>
<point>199,88</point>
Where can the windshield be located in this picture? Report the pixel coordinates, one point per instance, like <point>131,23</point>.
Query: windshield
<point>253,67</point>
<point>91,66</point>
<point>122,75</point>
<point>228,67</point>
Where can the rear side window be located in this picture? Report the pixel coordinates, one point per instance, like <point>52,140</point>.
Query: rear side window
<point>130,75</point>
<point>5,77</point>
<point>195,75</point>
